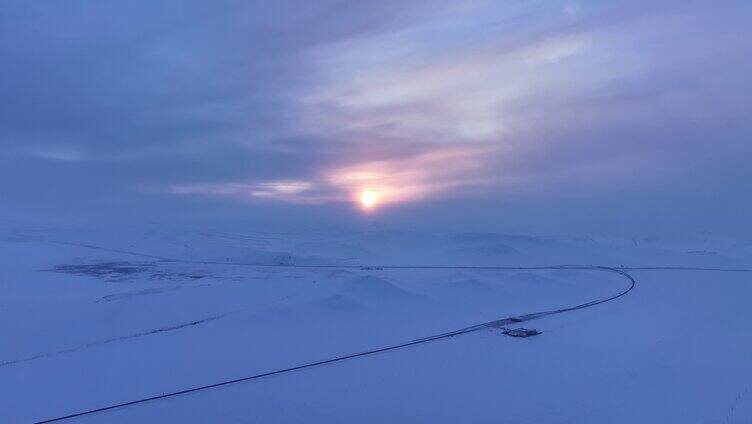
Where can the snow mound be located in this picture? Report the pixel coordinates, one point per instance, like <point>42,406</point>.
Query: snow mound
<point>377,293</point>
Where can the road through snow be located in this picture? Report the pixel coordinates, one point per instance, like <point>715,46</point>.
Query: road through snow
<point>622,271</point>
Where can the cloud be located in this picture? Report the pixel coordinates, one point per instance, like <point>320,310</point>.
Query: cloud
<point>411,179</point>
<point>431,108</point>
<point>456,97</point>
<point>398,180</point>
<point>280,190</point>
<point>57,153</point>
<point>299,102</point>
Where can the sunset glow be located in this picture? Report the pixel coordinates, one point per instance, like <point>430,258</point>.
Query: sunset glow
<point>369,198</point>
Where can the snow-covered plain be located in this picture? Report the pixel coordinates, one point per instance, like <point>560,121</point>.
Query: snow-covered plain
<point>92,318</point>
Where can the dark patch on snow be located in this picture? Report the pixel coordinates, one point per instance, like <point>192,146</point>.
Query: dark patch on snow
<point>520,332</point>
<point>702,252</point>
<point>284,259</point>
<point>120,271</point>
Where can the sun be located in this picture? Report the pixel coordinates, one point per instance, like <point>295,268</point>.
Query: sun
<point>369,198</point>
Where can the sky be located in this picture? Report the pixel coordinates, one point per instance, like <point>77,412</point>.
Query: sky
<point>534,116</point>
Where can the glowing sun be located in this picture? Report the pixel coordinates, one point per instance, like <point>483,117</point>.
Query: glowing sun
<point>369,198</point>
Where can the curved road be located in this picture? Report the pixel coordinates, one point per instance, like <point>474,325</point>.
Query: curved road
<point>499,323</point>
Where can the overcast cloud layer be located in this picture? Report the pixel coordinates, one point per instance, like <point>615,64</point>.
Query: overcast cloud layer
<point>519,114</point>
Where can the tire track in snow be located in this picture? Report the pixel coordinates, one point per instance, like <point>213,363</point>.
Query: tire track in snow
<point>114,339</point>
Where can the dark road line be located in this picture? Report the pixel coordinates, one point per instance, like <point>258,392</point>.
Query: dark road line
<point>622,271</point>
<point>466,330</point>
